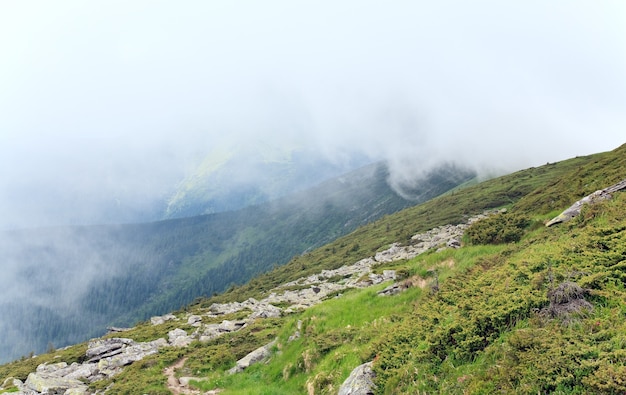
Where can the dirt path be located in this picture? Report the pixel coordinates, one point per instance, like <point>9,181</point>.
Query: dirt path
<point>172,382</point>
<point>174,385</point>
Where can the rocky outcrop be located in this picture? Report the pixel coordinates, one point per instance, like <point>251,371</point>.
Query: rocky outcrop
<point>179,338</point>
<point>255,356</point>
<point>262,309</point>
<point>598,196</point>
<point>211,331</point>
<point>447,236</point>
<point>162,319</point>
<point>107,357</point>
<point>360,381</point>
<point>55,379</point>
<point>317,287</point>
<point>111,364</point>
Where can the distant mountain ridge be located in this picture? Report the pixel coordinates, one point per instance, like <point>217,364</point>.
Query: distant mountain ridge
<point>231,179</point>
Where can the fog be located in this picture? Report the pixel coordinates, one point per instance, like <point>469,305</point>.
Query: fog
<point>105,107</point>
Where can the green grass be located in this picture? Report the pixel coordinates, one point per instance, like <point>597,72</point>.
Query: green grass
<point>336,336</point>
<point>481,331</point>
<point>537,191</point>
<point>21,368</point>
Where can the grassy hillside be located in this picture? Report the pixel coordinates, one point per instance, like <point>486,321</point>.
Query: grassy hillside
<point>543,314</point>
<point>545,189</point>
<point>77,281</point>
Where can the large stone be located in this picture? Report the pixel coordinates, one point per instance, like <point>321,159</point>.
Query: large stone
<point>48,384</point>
<point>593,198</point>
<point>226,308</point>
<point>162,319</point>
<point>179,338</point>
<point>360,381</point>
<point>112,365</point>
<point>265,310</point>
<point>255,356</point>
<point>102,348</point>
<point>231,326</point>
<point>210,332</point>
<point>194,320</point>
<point>83,371</point>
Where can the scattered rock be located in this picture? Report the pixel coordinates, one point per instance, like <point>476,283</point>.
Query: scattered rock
<point>48,383</point>
<point>231,326</point>
<point>107,357</point>
<point>454,243</point>
<point>360,381</point>
<point>393,289</point>
<point>593,198</point>
<point>179,338</point>
<point>254,357</point>
<point>162,319</point>
<point>226,308</point>
<point>103,348</point>
<point>296,334</point>
<point>265,310</point>
<point>194,320</point>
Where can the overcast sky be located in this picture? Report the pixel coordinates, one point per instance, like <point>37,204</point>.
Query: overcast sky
<point>118,99</point>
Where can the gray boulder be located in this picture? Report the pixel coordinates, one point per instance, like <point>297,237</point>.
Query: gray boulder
<point>593,198</point>
<point>102,348</point>
<point>360,381</point>
<point>162,319</point>
<point>194,320</point>
<point>265,310</point>
<point>44,383</point>
<point>179,338</point>
<point>112,365</point>
<point>255,356</point>
<point>226,308</point>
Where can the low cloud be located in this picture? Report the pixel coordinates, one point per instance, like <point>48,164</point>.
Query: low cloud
<point>105,107</point>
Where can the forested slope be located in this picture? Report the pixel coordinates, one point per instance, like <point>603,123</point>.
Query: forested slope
<point>71,283</point>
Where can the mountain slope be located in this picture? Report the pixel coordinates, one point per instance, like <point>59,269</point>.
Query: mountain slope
<point>68,284</point>
<point>231,179</point>
<point>484,318</point>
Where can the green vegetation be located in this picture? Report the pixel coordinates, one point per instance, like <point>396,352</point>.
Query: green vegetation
<point>132,272</point>
<point>534,184</point>
<point>21,368</point>
<point>498,229</point>
<point>520,308</point>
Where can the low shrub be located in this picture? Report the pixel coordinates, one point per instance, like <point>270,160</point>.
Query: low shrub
<point>498,229</point>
